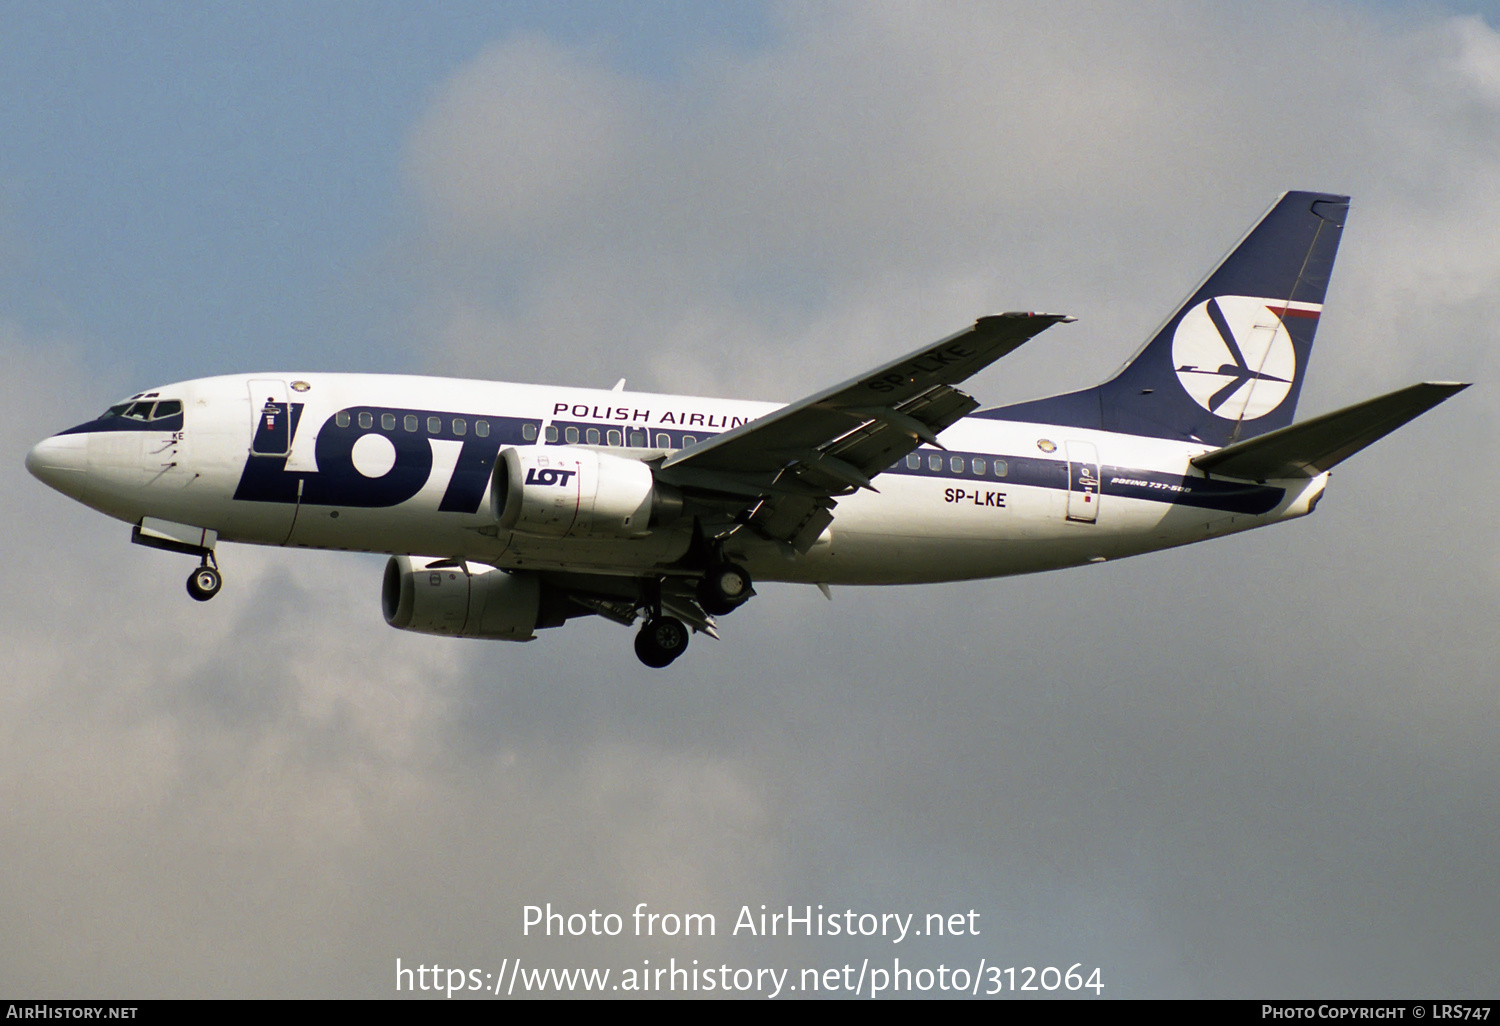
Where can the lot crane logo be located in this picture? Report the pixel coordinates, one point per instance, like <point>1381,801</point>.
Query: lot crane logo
<point>1233,354</point>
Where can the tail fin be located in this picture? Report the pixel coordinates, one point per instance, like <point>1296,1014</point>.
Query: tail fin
<point>1229,363</point>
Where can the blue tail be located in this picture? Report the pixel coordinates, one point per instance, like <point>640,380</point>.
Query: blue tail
<point>1229,364</point>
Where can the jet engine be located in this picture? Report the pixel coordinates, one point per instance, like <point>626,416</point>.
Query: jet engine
<point>557,491</point>
<point>472,602</point>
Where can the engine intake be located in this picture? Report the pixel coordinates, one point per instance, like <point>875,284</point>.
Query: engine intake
<point>475,603</point>
<point>557,491</point>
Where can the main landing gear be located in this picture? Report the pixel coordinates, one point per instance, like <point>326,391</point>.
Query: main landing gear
<point>724,588</point>
<point>204,583</point>
<point>661,640</point>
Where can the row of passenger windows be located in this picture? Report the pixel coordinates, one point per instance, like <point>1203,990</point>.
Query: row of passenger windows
<point>458,426</point>
<point>958,464</point>
<point>635,438</point>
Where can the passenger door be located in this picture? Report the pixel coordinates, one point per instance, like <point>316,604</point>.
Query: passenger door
<point>271,413</point>
<point>1083,482</point>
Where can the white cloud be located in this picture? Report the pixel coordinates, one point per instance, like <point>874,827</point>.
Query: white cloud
<point>527,139</point>
<point>884,173</point>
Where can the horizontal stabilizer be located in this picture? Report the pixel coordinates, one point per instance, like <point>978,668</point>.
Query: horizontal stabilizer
<point>1309,448</point>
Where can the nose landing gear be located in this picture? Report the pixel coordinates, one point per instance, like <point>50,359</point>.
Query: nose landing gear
<point>204,583</point>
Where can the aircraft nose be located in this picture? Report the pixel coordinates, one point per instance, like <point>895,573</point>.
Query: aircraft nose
<point>59,461</point>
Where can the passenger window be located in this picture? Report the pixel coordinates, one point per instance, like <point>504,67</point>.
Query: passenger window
<point>460,426</point>
<point>434,425</point>
<point>551,432</point>
<point>528,432</point>
<point>388,422</point>
<point>979,464</point>
<point>366,419</point>
<point>689,440</point>
<point>1000,468</point>
<point>614,436</point>
<point>913,461</point>
<point>342,420</point>
<point>664,441</point>
<point>409,422</point>
<point>482,428</point>
<point>956,464</point>
<point>934,462</point>
<point>638,439</point>
<point>170,408</point>
<point>571,434</point>
<point>593,436</point>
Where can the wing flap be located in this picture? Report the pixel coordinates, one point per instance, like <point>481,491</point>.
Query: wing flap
<point>798,458</point>
<point>888,435</point>
<point>797,521</point>
<point>1308,448</point>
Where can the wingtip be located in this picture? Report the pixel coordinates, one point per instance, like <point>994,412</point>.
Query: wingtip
<point>1449,389</point>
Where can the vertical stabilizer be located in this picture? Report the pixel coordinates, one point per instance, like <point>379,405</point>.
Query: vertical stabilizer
<point>1229,363</point>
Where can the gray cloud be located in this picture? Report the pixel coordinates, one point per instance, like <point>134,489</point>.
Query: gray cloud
<point>1257,766</point>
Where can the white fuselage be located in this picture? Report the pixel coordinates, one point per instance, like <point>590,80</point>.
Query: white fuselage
<point>396,464</point>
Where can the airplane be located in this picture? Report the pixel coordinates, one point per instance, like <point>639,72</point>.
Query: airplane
<point>507,509</point>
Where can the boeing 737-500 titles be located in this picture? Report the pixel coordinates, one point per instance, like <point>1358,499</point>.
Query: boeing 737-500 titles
<point>509,508</point>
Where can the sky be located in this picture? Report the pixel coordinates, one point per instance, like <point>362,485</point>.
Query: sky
<point>1260,766</point>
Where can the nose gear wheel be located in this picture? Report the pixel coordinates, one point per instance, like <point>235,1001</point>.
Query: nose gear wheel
<point>204,583</point>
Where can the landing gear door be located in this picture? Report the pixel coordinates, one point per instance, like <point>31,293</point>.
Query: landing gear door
<point>271,418</point>
<point>1083,482</point>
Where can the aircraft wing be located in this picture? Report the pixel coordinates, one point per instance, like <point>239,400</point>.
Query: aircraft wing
<point>785,469</point>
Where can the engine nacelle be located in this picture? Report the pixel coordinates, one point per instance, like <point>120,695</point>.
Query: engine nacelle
<point>558,491</point>
<point>477,603</point>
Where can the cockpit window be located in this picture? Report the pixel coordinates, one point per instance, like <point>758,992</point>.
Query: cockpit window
<point>144,410</point>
